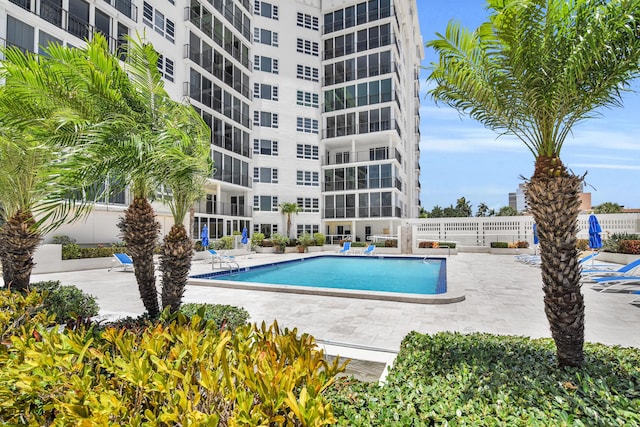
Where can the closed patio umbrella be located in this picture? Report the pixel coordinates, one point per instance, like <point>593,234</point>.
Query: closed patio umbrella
<point>536,240</point>
<point>245,236</point>
<point>205,236</point>
<point>595,241</point>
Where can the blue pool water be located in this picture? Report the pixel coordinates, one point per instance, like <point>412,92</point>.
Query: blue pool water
<point>397,274</point>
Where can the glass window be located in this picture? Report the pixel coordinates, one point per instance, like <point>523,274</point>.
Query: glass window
<point>349,16</point>
<point>350,96</point>
<point>363,94</point>
<point>362,40</point>
<point>349,70</point>
<point>373,10</point>
<point>20,34</point>
<point>374,92</point>
<point>374,68</point>
<point>374,40</point>
<point>338,20</point>
<point>362,67</point>
<point>361,12</point>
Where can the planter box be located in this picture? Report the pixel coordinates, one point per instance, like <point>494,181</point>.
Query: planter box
<point>315,249</point>
<point>511,251</point>
<point>435,251</point>
<point>263,250</point>
<point>617,258</point>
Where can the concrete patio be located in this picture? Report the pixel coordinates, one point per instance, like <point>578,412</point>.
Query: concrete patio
<point>502,296</point>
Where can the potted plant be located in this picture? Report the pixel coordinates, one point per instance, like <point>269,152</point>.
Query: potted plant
<point>280,242</point>
<point>304,241</point>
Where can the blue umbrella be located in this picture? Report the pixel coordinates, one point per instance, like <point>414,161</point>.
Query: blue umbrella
<point>536,240</point>
<point>245,236</point>
<point>595,241</point>
<point>205,236</point>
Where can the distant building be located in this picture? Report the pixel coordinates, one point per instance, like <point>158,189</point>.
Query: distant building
<point>518,202</point>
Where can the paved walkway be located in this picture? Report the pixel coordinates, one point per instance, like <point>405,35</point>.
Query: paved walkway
<point>502,297</point>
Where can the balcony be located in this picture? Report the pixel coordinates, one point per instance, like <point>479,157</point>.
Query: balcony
<point>361,129</point>
<point>223,209</point>
<point>344,157</point>
<point>362,212</point>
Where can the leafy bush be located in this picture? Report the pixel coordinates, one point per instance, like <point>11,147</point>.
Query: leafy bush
<point>20,314</point>
<point>63,240</point>
<point>319,238</point>
<point>224,316</point>
<point>267,243</point>
<point>630,247</point>
<point>279,241</point>
<point>391,243</point>
<point>306,240</point>
<point>225,242</point>
<point>67,303</point>
<point>612,244</point>
<point>428,244</point>
<point>501,245</point>
<point>71,251</point>
<point>487,380</point>
<point>185,372</point>
<point>582,244</point>
<point>257,239</point>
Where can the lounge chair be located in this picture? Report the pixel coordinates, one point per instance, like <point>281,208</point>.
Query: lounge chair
<point>217,257</point>
<point>624,270</point>
<point>346,247</point>
<point>635,301</point>
<point>370,249</point>
<point>617,283</point>
<point>123,261</point>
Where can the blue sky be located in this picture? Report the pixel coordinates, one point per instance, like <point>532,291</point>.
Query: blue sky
<point>460,158</point>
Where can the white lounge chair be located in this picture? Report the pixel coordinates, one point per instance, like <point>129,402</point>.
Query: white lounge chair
<point>617,283</point>
<point>625,270</point>
<point>217,257</point>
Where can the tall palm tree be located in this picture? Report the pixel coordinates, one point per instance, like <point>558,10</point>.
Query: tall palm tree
<point>289,209</point>
<point>534,70</point>
<point>188,166</point>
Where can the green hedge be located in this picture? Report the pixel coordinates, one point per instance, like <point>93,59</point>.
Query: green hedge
<point>487,380</point>
<point>501,245</point>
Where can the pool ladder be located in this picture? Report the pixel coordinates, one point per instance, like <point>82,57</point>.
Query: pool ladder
<point>230,265</point>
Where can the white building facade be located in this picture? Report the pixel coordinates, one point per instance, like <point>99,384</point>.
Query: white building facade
<point>313,102</point>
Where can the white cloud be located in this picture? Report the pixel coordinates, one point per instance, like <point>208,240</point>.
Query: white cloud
<point>614,166</point>
<point>469,141</point>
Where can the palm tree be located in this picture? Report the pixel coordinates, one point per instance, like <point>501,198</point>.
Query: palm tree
<point>607,207</point>
<point>483,210</point>
<point>189,166</point>
<point>114,121</point>
<point>22,162</point>
<point>535,70</point>
<point>288,209</point>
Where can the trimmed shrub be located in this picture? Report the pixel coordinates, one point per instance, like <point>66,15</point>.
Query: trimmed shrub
<point>500,245</point>
<point>67,303</point>
<point>319,238</point>
<point>488,380</point>
<point>224,243</point>
<point>71,251</point>
<point>224,316</point>
<point>630,247</point>
<point>612,244</point>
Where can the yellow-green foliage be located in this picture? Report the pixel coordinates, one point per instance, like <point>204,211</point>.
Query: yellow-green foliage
<point>184,372</point>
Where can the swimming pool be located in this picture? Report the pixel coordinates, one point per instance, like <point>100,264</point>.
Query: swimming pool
<point>408,279</point>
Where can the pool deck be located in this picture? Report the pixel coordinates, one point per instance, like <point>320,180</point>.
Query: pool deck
<point>502,296</point>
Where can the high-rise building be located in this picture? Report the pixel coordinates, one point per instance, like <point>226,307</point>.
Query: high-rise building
<point>313,102</point>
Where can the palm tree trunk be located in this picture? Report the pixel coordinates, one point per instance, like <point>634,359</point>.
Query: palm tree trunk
<point>140,232</point>
<point>553,198</point>
<point>18,241</point>
<point>175,263</point>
